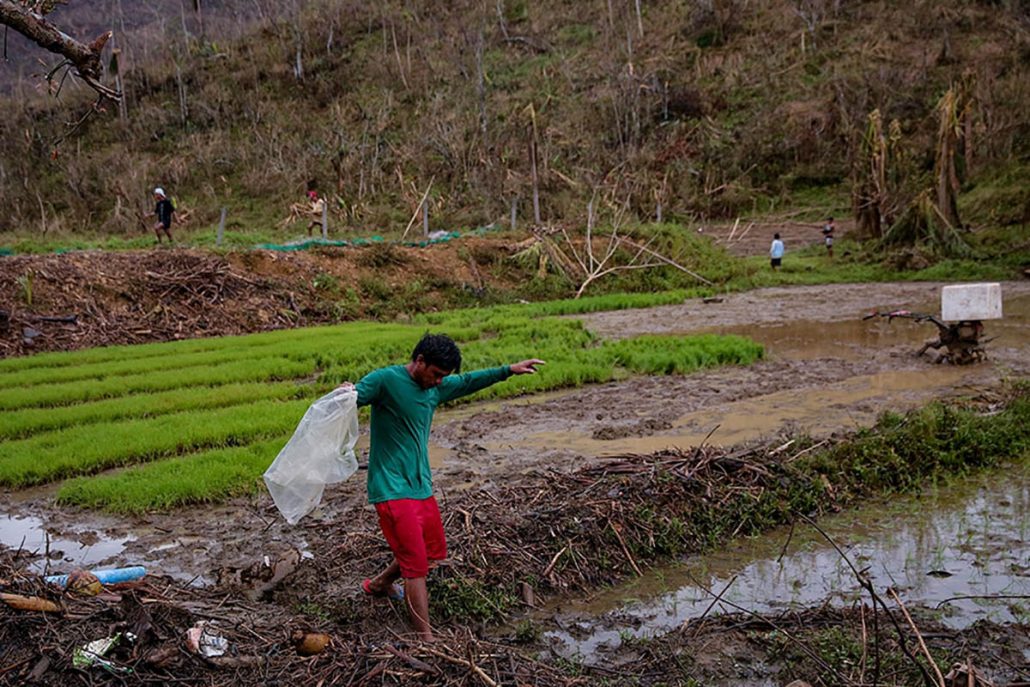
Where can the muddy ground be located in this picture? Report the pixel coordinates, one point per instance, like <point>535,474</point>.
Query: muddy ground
<point>826,371</point>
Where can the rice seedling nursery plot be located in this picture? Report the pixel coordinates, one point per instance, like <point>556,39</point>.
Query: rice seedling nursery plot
<point>199,421</point>
<point>16,424</point>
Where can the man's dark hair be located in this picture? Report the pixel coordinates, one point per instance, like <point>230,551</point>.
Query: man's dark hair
<point>439,350</point>
<point>776,236</point>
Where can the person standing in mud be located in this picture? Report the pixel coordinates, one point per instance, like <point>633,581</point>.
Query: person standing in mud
<point>776,252</point>
<point>164,211</point>
<point>400,486</point>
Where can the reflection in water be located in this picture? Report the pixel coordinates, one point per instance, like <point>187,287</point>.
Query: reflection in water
<point>965,540</point>
<point>855,338</point>
<point>30,535</point>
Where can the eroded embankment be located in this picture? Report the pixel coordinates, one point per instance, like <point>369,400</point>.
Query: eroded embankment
<point>544,535</point>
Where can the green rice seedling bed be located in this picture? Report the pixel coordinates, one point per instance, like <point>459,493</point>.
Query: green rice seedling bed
<point>201,477</point>
<point>16,424</point>
<point>47,395</point>
<point>50,456</point>
<point>175,412</point>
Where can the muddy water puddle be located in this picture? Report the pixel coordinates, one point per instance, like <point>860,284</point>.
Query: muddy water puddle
<point>858,338</point>
<point>58,549</point>
<point>852,402</point>
<point>949,548</point>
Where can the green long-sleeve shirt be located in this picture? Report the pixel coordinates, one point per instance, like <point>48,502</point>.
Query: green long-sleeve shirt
<point>402,411</point>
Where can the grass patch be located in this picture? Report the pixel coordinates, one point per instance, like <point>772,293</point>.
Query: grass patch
<point>198,478</point>
<point>49,456</point>
<point>15,424</point>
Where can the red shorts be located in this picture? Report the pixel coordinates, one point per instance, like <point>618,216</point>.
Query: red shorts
<point>414,531</point>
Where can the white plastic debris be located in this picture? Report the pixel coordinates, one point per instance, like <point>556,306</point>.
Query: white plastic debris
<point>970,302</point>
<point>200,640</point>
<point>320,452</point>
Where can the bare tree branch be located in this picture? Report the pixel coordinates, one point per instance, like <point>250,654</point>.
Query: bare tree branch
<point>84,57</point>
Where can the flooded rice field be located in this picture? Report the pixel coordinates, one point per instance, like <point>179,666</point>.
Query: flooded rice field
<point>946,549</point>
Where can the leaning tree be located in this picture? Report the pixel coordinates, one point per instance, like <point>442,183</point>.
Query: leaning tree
<point>28,17</point>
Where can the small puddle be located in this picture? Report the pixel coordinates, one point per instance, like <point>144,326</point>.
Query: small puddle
<point>949,547</point>
<point>63,551</point>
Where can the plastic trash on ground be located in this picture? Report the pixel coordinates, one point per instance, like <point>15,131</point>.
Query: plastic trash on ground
<point>92,653</point>
<point>200,640</point>
<point>109,576</point>
<point>320,452</point>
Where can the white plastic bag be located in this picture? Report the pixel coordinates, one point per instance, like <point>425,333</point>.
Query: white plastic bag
<point>320,452</point>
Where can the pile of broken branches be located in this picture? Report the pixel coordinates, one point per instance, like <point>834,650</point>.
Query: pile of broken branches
<point>96,299</point>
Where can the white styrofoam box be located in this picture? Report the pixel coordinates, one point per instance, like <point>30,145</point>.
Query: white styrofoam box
<point>971,302</point>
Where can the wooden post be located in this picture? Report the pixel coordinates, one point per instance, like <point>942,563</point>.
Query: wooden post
<point>536,180</point>
<point>425,216</point>
<point>221,227</point>
<point>658,212</point>
<point>514,211</point>
<point>325,219</point>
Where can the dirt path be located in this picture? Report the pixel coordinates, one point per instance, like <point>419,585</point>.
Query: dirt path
<point>826,371</point>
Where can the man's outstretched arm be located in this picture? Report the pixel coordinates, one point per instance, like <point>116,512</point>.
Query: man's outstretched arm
<point>456,386</point>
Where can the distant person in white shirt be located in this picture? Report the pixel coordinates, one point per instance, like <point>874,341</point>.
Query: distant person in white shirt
<point>828,230</point>
<point>776,252</point>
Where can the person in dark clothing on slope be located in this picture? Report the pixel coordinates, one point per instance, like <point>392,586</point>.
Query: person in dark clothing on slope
<point>164,211</point>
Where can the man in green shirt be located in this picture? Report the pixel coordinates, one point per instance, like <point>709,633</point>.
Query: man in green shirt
<point>400,485</point>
